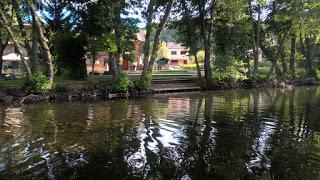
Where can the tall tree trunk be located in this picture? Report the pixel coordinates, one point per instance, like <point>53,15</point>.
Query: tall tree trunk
<point>309,61</point>
<point>2,48</point>
<point>198,66</point>
<point>282,58</point>
<point>118,55</point>
<point>206,37</point>
<point>93,63</point>
<point>35,66</point>
<point>302,48</point>
<point>113,67</point>
<point>16,45</point>
<point>255,36</point>
<point>159,30</point>
<point>257,46</point>
<point>292,56</point>
<point>43,43</point>
<point>146,49</point>
<point>275,68</point>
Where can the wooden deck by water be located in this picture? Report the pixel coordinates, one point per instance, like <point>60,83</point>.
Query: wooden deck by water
<point>174,85</point>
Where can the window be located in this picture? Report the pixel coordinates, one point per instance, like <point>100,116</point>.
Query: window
<point>185,62</point>
<point>174,62</point>
<point>173,52</point>
<point>183,52</point>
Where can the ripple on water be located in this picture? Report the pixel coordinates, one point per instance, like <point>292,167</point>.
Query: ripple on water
<point>185,137</point>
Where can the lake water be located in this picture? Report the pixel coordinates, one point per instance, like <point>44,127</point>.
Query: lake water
<point>238,134</point>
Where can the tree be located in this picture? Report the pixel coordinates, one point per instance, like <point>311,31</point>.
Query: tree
<point>205,9</point>
<point>232,40</point>
<point>4,39</point>
<point>255,8</point>
<point>148,66</point>
<point>188,33</point>
<point>16,44</point>
<point>70,51</point>
<point>43,42</point>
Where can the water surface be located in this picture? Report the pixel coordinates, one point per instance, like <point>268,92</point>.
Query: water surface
<point>238,134</point>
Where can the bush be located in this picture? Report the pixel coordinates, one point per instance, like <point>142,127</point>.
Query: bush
<point>39,84</point>
<point>144,85</point>
<point>140,85</point>
<point>229,69</point>
<point>122,84</point>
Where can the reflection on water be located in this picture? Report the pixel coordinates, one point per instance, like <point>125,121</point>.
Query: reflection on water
<point>243,134</point>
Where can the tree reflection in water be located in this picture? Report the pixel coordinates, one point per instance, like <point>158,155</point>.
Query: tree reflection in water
<point>243,134</point>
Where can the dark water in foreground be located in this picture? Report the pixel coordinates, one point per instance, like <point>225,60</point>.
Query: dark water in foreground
<point>243,134</point>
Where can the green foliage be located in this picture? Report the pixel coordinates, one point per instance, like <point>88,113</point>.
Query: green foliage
<point>162,51</point>
<point>70,53</point>
<point>110,43</point>
<point>229,69</point>
<point>141,85</point>
<point>122,84</point>
<point>39,84</point>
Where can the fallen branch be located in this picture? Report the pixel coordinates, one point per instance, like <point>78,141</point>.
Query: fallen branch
<point>31,98</point>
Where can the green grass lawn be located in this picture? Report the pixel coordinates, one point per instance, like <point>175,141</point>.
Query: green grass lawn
<point>99,79</point>
<point>107,79</point>
<point>12,83</point>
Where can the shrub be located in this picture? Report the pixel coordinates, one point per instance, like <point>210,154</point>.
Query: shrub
<point>144,85</point>
<point>122,84</point>
<point>140,85</point>
<point>229,69</point>
<point>39,84</point>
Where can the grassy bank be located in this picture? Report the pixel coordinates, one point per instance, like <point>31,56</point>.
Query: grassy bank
<point>96,80</point>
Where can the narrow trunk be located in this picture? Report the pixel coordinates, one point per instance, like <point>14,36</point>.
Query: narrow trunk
<point>249,69</point>
<point>22,28</point>
<point>255,36</point>
<point>257,52</point>
<point>292,56</point>
<point>113,67</point>
<point>309,62</point>
<point>2,48</point>
<point>206,36</point>
<point>146,49</point>
<point>302,49</point>
<point>93,64</point>
<point>16,45</point>
<point>34,50</point>
<point>198,66</point>
<point>207,66</point>
<point>269,53</point>
<point>160,28</point>
<point>1,61</point>
<point>271,70</point>
<point>282,57</point>
<point>43,43</point>
<point>118,56</point>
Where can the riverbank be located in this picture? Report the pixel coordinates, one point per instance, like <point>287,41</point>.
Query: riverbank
<point>69,92</point>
